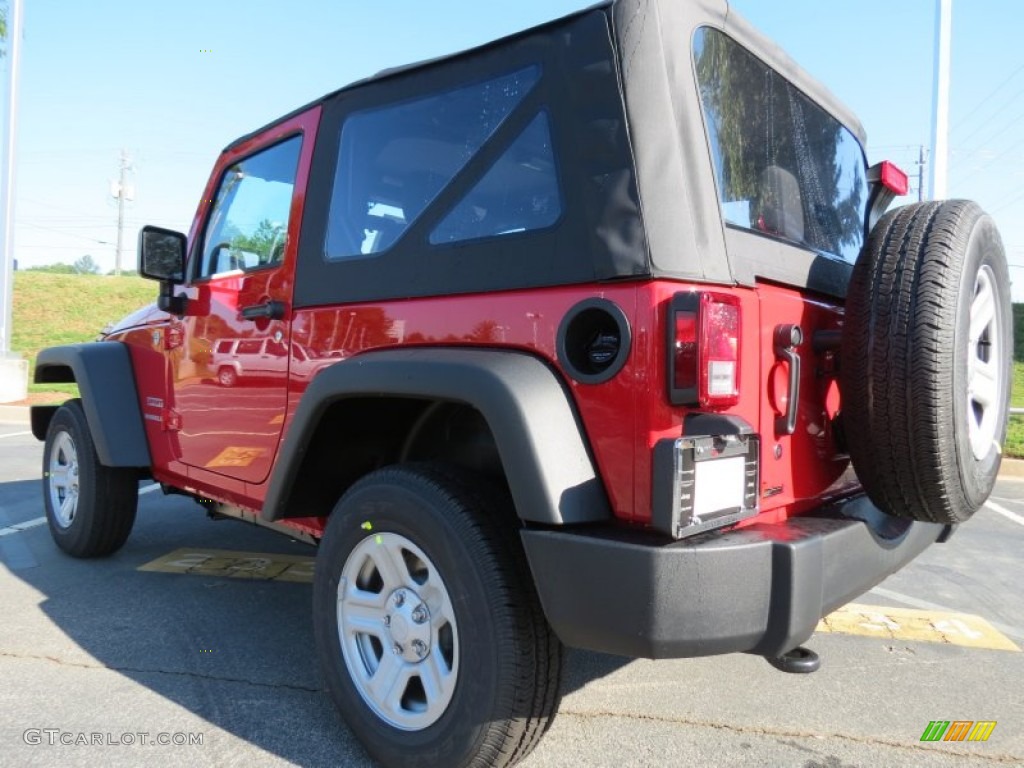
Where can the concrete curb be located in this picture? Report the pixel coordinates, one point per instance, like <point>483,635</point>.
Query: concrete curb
<point>1013,468</point>
<point>14,414</point>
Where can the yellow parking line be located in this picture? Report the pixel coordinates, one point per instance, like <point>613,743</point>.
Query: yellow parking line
<point>924,626</point>
<point>257,566</point>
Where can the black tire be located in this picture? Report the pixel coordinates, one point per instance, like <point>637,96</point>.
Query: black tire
<point>227,376</point>
<point>506,686</point>
<point>923,446</point>
<point>99,502</point>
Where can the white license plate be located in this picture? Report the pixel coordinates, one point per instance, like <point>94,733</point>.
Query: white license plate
<point>719,485</point>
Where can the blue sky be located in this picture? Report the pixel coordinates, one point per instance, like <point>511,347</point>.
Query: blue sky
<point>100,76</point>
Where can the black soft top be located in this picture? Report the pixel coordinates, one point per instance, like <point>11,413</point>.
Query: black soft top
<point>669,21</point>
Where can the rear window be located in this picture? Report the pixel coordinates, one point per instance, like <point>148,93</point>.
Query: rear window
<point>784,166</point>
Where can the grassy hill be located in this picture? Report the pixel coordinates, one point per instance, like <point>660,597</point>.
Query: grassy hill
<point>63,309</point>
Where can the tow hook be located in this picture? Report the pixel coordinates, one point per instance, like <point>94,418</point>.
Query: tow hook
<point>799,661</point>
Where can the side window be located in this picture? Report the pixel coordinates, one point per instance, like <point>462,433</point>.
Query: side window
<point>248,223</point>
<point>393,161</point>
<point>785,166</point>
<point>518,194</point>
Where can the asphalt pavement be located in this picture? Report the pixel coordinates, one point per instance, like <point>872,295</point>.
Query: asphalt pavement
<point>210,648</point>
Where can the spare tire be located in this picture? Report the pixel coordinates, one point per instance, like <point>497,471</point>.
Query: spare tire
<point>926,361</point>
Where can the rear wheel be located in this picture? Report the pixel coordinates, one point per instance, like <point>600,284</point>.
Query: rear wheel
<point>926,361</point>
<point>428,629</point>
<point>90,507</point>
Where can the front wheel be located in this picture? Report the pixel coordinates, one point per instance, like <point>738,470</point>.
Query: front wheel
<point>90,507</point>
<point>428,628</point>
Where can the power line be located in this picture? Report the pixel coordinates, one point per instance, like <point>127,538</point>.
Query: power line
<point>989,162</point>
<point>992,93</point>
<point>72,234</point>
<point>1007,204</point>
<point>61,227</point>
<point>78,248</point>
<point>1006,127</point>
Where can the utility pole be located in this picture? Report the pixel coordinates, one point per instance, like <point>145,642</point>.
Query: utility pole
<point>123,193</point>
<point>13,370</point>
<point>940,106</point>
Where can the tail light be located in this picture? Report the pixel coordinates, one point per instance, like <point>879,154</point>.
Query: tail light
<point>704,350</point>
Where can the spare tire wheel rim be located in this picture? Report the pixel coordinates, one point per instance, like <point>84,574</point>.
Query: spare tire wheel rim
<point>397,630</point>
<point>985,366</point>
<point>63,479</point>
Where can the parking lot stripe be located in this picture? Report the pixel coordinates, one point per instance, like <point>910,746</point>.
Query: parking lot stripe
<point>16,434</point>
<point>149,488</point>
<point>910,624</point>
<point>1005,512</point>
<point>899,597</point>
<point>256,566</point>
<point>19,527</point>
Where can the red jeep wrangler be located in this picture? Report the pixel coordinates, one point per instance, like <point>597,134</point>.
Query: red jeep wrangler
<point>596,322</point>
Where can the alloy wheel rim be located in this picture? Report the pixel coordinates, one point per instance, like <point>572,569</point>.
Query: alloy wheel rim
<point>398,632</point>
<point>63,480</point>
<point>985,366</point>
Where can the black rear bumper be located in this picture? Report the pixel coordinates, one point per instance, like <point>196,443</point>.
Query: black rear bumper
<point>759,589</point>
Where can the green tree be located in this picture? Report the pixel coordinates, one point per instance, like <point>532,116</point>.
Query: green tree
<point>3,29</point>
<point>267,242</point>
<point>86,266</point>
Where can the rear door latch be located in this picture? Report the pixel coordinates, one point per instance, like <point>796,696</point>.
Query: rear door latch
<point>787,339</point>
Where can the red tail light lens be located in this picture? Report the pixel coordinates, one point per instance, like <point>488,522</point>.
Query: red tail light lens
<point>684,351</point>
<point>894,178</point>
<point>704,350</point>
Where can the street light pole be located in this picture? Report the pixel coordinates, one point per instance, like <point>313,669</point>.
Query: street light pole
<point>13,370</point>
<point>940,105</point>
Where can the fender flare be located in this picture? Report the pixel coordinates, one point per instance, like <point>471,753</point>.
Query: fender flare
<point>539,437</point>
<point>106,380</point>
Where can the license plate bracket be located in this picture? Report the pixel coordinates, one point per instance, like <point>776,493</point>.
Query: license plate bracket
<point>716,482</point>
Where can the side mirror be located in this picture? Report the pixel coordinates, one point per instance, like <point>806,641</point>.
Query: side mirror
<point>162,257</point>
<point>162,254</point>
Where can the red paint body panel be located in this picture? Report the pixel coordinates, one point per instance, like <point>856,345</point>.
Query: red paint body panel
<point>221,440</point>
<point>808,463</point>
<point>216,440</point>
<point>623,418</point>
<point>523,320</point>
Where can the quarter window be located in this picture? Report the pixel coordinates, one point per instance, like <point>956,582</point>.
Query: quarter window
<point>394,161</point>
<point>785,166</point>
<point>518,194</point>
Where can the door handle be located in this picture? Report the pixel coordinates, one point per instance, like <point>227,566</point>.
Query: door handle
<point>787,339</point>
<point>273,310</point>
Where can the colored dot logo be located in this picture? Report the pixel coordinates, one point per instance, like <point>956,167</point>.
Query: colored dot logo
<point>206,50</point>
